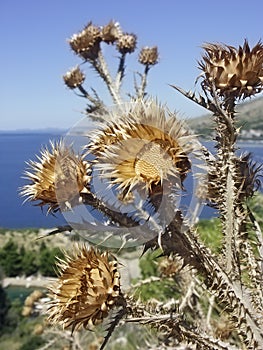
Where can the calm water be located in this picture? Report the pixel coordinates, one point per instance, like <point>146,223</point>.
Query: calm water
<point>15,149</point>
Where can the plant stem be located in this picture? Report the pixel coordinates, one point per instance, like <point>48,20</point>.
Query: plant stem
<point>102,68</point>
<point>141,91</point>
<point>120,72</point>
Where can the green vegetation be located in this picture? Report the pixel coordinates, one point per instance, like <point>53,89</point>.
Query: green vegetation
<point>4,305</point>
<point>15,261</point>
<point>210,233</point>
<point>47,260</point>
<point>11,259</point>
<point>21,328</point>
<point>160,290</point>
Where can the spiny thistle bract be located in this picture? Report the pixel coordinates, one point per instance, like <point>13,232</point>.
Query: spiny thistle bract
<point>87,289</point>
<point>57,178</point>
<point>233,72</point>
<point>145,145</point>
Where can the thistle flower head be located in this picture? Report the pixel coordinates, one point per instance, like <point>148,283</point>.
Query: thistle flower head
<point>233,72</point>
<point>110,32</point>
<point>149,55</point>
<point>88,287</point>
<point>57,179</point>
<point>86,42</point>
<point>74,78</point>
<point>126,43</point>
<point>170,266</point>
<point>145,146</point>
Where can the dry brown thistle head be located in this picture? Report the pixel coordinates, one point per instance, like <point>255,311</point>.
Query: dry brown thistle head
<point>110,32</point>
<point>87,42</point>
<point>233,72</point>
<point>169,266</point>
<point>88,287</point>
<point>57,178</point>
<point>149,55</point>
<point>144,146</point>
<point>126,43</point>
<point>74,78</point>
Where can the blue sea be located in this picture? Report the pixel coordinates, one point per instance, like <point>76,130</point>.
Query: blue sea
<point>15,150</point>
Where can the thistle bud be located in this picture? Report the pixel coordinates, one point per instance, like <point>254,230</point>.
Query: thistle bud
<point>74,78</point>
<point>86,43</point>
<point>111,32</point>
<point>233,72</point>
<point>149,55</point>
<point>126,43</point>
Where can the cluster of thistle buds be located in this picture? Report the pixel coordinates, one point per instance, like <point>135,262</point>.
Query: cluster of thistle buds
<point>87,45</point>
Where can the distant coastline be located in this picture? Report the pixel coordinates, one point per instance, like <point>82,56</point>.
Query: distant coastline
<point>249,118</point>
<point>44,131</point>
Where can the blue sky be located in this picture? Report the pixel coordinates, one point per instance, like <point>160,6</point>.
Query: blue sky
<point>35,53</point>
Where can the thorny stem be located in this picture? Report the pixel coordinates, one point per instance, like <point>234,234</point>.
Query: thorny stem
<point>209,312</point>
<point>210,268</point>
<point>176,326</point>
<point>187,296</point>
<point>141,90</point>
<point>97,103</point>
<point>120,72</point>
<point>146,281</point>
<point>48,345</point>
<point>226,138</point>
<point>259,235</point>
<point>116,217</point>
<point>102,69</point>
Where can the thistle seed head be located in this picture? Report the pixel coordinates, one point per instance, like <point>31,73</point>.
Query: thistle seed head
<point>57,179</point>
<point>110,32</point>
<point>149,55</point>
<point>145,146</point>
<point>87,289</point>
<point>126,43</point>
<point>74,78</point>
<point>233,72</point>
<point>169,266</point>
<point>87,42</point>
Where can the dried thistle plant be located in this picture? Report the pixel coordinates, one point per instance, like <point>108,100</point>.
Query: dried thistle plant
<point>141,149</point>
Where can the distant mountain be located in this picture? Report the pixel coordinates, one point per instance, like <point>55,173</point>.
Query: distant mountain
<point>249,117</point>
<point>34,131</point>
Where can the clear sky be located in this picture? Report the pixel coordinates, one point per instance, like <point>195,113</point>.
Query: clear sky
<point>35,53</point>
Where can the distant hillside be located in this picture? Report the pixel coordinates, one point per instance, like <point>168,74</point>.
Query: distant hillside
<point>250,118</point>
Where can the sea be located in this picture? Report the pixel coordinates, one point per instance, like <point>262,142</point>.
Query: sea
<point>16,149</point>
